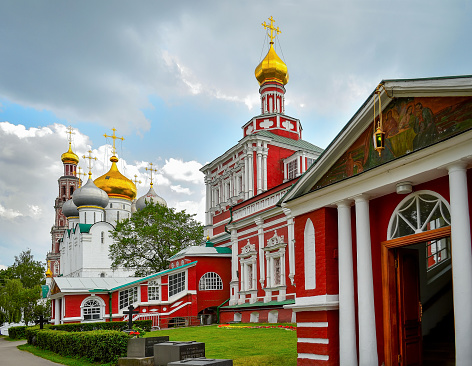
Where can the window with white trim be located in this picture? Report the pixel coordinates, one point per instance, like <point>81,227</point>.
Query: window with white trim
<point>128,296</point>
<point>153,290</point>
<point>210,281</point>
<point>91,309</point>
<point>310,259</point>
<point>292,169</point>
<point>419,212</point>
<point>176,283</point>
<point>309,162</point>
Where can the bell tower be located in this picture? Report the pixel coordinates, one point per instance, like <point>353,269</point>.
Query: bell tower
<point>67,184</point>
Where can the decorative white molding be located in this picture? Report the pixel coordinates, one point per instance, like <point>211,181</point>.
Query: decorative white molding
<point>260,205</point>
<point>314,303</point>
<point>313,356</point>
<point>248,248</point>
<point>276,239</point>
<point>312,325</point>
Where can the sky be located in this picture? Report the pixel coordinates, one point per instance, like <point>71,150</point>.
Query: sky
<point>176,80</point>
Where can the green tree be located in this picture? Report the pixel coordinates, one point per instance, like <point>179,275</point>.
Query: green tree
<point>145,242</point>
<point>27,270</point>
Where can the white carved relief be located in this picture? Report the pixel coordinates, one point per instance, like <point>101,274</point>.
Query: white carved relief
<point>275,240</point>
<point>248,248</point>
<point>249,129</point>
<point>287,125</point>
<point>266,123</point>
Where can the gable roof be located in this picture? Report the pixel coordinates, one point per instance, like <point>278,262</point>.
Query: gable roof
<point>452,86</point>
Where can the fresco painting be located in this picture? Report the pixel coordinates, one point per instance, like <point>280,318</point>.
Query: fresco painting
<point>409,124</point>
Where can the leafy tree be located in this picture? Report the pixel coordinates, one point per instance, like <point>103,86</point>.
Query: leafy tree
<point>147,240</point>
<point>27,270</point>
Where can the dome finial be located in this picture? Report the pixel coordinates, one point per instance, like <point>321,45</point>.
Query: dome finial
<point>271,29</point>
<point>90,157</point>
<point>114,137</point>
<point>151,170</point>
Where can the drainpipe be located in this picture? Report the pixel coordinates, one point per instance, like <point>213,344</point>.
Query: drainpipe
<point>218,311</point>
<point>230,220</point>
<point>110,295</point>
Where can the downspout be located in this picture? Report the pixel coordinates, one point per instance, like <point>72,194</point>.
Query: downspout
<point>218,311</point>
<point>110,295</point>
<point>230,220</point>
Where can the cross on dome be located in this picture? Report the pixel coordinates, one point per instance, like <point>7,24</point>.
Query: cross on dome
<point>90,157</point>
<point>271,29</point>
<point>80,174</point>
<point>114,137</point>
<point>135,180</point>
<point>151,170</point>
<point>70,132</point>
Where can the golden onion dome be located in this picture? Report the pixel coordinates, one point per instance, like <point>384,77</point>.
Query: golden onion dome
<point>70,157</point>
<point>116,184</point>
<point>272,68</point>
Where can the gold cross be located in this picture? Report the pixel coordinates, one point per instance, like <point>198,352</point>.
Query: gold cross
<point>114,137</point>
<point>272,29</point>
<point>135,180</point>
<point>152,170</point>
<point>90,157</point>
<point>70,133</point>
<point>80,174</point>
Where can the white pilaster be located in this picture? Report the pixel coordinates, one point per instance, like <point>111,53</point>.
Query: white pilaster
<point>57,311</point>
<point>246,178</point>
<point>347,317</point>
<point>461,261</point>
<point>365,287</point>
<point>260,234</point>
<point>259,169</point>
<point>264,166</point>
<point>291,245</point>
<point>234,268</point>
<point>208,201</point>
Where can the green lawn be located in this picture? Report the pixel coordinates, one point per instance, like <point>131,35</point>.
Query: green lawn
<point>271,347</point>
<point>245,346</point>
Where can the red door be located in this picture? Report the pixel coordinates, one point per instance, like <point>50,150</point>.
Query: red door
<point>409,308</point>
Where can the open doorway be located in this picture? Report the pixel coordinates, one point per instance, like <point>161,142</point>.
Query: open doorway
<point>425,303</point>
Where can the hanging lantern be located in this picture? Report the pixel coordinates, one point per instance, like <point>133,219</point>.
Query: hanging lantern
<point>379,134</point>
<point>379,140</point>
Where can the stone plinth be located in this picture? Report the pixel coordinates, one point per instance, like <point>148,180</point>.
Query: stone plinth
<point>201,361</point>
<point>177,351</point>
<point>144,347</point>
<point>136,361</point>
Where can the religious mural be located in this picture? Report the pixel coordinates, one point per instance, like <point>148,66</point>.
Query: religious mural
<point>409,124</point>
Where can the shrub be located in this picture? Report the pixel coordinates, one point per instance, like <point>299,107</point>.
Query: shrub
<point>102,346</point>
<point>85,327</point>
<point>17,332</point>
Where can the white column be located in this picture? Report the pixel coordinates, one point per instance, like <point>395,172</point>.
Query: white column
<point>234,268</point>
<point>208,201</point>
<point>461,262</point>
<point>347,317</point>
<point>264,167</point>
<point>365,287</point>
<point>57,311</point>
<point>246,178</point>
<point>250,172</point>
<point>259,169</point>
<point>291,245</point>
<point>260,234</point>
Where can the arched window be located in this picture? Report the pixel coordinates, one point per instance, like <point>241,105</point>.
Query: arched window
<point>102,237</point>
<point>310,259</point>
<point>92,309</point>
<point>273,316</point>
<point>210,281</point>
<point>254,318</point>
<point>237,317</point>
<point>420,211</point>
<point>56,268</point>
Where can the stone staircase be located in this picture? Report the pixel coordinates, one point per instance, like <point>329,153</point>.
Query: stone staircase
<point>438,345</point>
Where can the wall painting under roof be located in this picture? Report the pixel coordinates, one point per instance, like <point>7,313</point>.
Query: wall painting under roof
<point>409,124</point>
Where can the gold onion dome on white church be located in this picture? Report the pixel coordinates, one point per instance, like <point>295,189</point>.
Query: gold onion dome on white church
<point>272,68</point>
<point>116,184</point>
<point>70,157</point>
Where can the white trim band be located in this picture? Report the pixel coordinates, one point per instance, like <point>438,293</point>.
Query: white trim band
<point>313,340</point>
<point>313,356</point>
<point>312,325</point>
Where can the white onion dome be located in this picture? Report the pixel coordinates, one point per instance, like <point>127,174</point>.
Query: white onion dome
<point>90,195</point>
<point>151,196</point>
<point>69,209</point>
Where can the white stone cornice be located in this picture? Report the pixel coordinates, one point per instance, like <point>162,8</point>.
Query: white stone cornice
<point>315,303</point>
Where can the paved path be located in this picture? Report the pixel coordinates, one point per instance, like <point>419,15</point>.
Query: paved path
<point>12,356</point>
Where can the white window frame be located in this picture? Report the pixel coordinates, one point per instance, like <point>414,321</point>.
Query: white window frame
<point>275,250</point>
<point>248,261</point>
<point>180,284</point>
<point>127,297</point>
<point>210,281</point>
<point>154,288</point>
<point>98,310</point>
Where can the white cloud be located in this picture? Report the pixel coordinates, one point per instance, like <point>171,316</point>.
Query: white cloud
<point>180,189</point>
<point>188,171</point>
<point>8,213</point>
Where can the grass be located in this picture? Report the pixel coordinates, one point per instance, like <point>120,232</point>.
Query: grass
<point>54,357</point>
<point>245,346</point>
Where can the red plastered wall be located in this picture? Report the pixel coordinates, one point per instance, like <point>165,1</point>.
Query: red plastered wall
<point>275,164</point>
<point>325,223</point>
